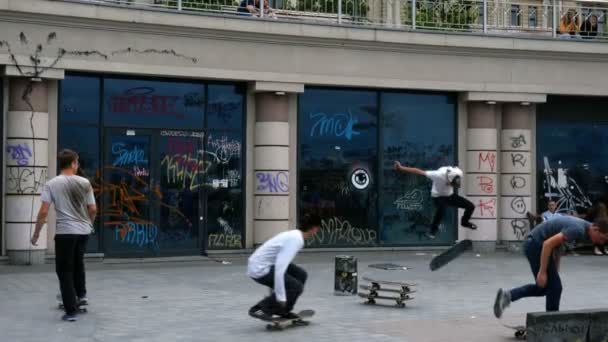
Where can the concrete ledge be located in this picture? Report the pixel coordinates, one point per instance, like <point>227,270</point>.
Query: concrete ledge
<point>579,325</point>
<point>27,257</point>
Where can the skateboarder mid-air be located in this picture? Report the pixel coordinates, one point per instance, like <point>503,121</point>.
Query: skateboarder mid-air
<point>271,265</point>
<point>542,248</point>
<point>445,180</point>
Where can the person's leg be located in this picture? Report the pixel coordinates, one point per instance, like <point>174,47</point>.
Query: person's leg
<point>79,271</point>
<point>268,304</point>
<point>297,272</point>
<point>64,266</point>
<point>468,206</point>
<point>440,203</point>
<point>504,297</point>
<point>553,288</point>
<point>297,278</point>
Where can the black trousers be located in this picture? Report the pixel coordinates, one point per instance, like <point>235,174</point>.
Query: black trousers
<point>451,201</point>
<point>295,278</point>
<point>69,265</point>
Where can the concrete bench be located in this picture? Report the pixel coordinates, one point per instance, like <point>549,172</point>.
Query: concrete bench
<point>566,326</point>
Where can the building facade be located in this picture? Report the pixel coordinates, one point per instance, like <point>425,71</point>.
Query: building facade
<point>205,132</point>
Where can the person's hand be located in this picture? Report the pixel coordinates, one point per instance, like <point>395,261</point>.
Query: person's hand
<point>35,238</point>
<point>541,279</point>
<point>397,165</point>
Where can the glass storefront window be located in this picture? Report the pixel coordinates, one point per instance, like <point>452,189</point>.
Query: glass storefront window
<point>168,180</point>
<point>418,130</point>
<point>225,109</point>
<point>73,108</point>
<point>337,172</point>
<point>153,104</point>
<point>342,134</point>
<point>572,157</point>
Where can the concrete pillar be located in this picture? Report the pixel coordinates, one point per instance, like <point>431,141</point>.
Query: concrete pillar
<point>481,174</point>
<point>271,165</point>
<point>26,158</point>
<point>516,182</point>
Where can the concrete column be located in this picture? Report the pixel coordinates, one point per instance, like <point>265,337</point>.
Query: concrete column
<point>481,175</point>
<point>271,165</point>
<point>26,158</point>
<point>516,182</point>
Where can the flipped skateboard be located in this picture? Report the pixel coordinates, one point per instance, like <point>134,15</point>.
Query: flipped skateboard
<point>279,323</point>
<point>520,331</point>
<point>81,307</point>
<point>450,254</point>
<point>402,291</point>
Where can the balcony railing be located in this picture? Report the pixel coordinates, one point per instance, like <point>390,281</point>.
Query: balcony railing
<point>578,20</point>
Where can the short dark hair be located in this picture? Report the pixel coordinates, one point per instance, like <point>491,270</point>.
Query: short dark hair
<point>66,158</point>
<point>308,221</point>
<point>602,224</point>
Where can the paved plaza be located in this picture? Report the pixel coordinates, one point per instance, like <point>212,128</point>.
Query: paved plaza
<point>208,301</point>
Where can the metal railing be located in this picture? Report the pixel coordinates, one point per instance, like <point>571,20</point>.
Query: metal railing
<point>542,18</point>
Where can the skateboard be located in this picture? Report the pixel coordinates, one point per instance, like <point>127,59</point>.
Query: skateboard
<point>450,254</point>
<point>403,291</point>
<point>80,306</point>
<point>520,331</point>
<point>278,323</point>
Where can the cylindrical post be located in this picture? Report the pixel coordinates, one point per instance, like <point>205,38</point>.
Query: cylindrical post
<point>261,8</point>
<point>413,14</point>
<point>339,11</point>
<point>485,16</point>
<point>345,281</point>
<point>554,25</point>
<point>179,5</point>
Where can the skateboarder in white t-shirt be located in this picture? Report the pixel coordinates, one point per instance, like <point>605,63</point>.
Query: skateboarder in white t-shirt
<point>445,180</point>
<point>271,265</point>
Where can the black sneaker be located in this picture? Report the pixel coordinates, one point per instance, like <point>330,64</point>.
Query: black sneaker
<point>290,315</point>
<point>257,312</point>
<point>468,225</point>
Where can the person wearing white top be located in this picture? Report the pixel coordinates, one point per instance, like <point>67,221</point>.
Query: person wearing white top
<point>271,265</point>
<point>445,180</point>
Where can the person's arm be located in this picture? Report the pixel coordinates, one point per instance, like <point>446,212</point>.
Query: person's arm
<point>548,246</point>
<point>91,205</point>
<point>43,213</point>
<point>406,169</point>
<point>284,258</point>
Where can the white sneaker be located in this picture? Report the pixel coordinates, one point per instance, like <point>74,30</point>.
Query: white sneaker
<point>597,251</point>
<point>503,300</point>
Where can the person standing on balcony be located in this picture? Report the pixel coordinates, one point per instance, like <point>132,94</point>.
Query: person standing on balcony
<point>569,25</point>
<point>445,180</point>
<point>75,206</point>
<point>589,27</point>
<point>252,7</point>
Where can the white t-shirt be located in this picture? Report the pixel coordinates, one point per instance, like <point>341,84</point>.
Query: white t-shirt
<point>441,186</point>
<point>71,196</point>
<point>278,252</point>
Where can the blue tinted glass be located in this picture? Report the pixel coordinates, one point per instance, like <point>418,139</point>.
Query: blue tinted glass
<point>225,109</point>
<point>85,141</point>
<point>337,175</point>
<point>566,165</point>
<point>418,130</point>
<point>79,99</point>
<point>153,104</point>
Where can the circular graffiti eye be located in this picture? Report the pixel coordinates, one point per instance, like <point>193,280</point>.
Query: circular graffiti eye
<point>360,179</point>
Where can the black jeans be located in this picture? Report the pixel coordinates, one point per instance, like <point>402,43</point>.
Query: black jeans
<point>295,278</point>
<point>553,289</point>
<point>69,265</point>
<point>451,201</point>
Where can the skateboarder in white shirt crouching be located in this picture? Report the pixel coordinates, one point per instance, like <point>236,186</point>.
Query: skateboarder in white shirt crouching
<point>445,180</point>
<point>271,265</point>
